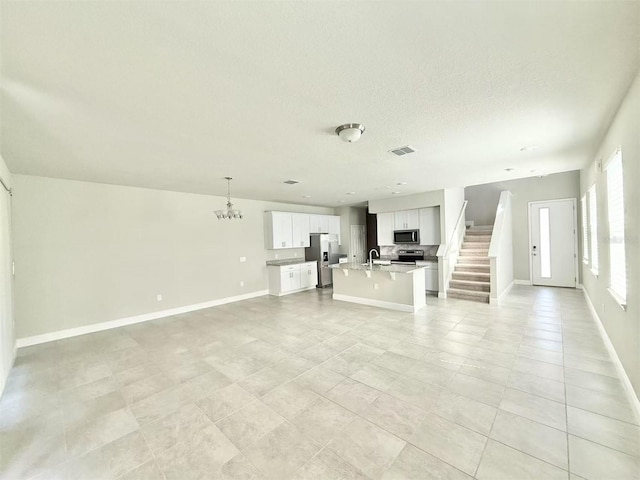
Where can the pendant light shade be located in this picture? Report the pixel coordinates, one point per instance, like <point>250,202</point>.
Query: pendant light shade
<point>229,213</point>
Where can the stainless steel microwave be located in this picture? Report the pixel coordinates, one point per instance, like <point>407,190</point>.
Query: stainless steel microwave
<point>406,236</point>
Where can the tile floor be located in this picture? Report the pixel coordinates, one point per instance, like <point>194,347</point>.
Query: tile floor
<point>304,387</point>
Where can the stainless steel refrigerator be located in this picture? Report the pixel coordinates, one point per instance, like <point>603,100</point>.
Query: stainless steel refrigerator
<point>324,250</point>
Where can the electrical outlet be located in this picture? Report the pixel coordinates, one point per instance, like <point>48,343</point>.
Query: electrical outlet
<point>375,286</point>
<point>242,284</point>
<point>295,254</point>
<point>276,256</point>
<point>159,297</point>
<point>243,259</point>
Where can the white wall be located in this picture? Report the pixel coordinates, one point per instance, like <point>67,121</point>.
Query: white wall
<point>501,248</point>
<point>87,253</point>
<point>622,327</point>
<point>453,200</point>
<point>407,202</point>
<point>483,200</point>
<point>7,336</point>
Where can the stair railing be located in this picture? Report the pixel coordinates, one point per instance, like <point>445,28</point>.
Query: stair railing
<point>501,250</point>
<point>448,253</point>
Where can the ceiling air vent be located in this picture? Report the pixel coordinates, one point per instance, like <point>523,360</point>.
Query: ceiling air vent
<point>403,151</point>
<point>291,182</point>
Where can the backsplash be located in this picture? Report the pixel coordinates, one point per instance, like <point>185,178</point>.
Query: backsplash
<point>392,250</point>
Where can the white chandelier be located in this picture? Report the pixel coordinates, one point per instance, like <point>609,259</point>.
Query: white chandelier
<point>229,212</point>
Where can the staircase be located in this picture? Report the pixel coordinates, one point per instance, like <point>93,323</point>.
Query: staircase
<point>471,278</point>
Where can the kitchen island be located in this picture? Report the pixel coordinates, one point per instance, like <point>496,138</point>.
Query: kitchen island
<point>397,287</point>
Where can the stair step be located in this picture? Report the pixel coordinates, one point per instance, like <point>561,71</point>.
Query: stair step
<point>472,267</point>
<point>470,285</point>
<point>474,252</point>
<point>477,238</point>
<point>476,245</point>
<point>473,276</point>
<point>482,297</point>
<point>483,228</point>
<point>478,233</point>
<point>474,260</point>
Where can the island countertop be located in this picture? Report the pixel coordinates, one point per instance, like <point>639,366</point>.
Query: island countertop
<point>288,261</point>
<point>394,267</point>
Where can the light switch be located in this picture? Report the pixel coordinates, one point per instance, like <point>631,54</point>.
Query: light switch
<point>243,259</point>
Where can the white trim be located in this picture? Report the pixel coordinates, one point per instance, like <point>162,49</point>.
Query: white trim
<point>622,303</point>
<point>611,157</point>
<point>376,303</point>
<point>121,322</point>
<point>442,294</point>
<point>626,383</point>
<point>504,293</point>
<point>522,282</point>
<point>289,292</point>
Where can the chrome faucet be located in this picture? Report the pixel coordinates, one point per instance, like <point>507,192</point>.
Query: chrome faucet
<point>372,251</point>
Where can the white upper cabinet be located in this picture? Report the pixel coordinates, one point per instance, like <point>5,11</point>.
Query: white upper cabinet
<point>300,227</point>
<point>292,230</point>
<point>407,220</point>
<point>430,226</point>
<point>385,222</point>
<point>278,230</point>
<point>319,223</point>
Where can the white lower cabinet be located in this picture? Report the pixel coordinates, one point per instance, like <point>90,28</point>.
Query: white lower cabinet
<point>430,275</point>
<point>287,279</point>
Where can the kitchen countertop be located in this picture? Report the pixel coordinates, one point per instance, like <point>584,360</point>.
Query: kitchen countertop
<point>429,260</point>
<point>398,268</point>
<point>288,261</point>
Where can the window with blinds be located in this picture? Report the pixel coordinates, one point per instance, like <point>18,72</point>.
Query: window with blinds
<point>585,231</point>
<point>615,209</point>
<point>593,229</point>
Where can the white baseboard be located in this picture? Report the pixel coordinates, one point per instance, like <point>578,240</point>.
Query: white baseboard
<point>522,282</point>
<point>626,383</point>
<point>442,294</point>
<point>121,322</point>
<point>376,303</point>
<point>504,293</point>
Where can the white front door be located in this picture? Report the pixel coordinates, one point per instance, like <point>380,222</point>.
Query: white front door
<point>553,243</point>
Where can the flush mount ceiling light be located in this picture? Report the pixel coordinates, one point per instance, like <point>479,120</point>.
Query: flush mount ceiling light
<point>350,132</point>
<point>229,213</point>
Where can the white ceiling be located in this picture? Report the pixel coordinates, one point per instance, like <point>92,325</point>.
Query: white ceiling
<point>177,95</point>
